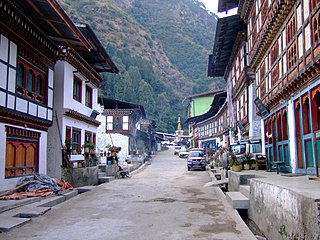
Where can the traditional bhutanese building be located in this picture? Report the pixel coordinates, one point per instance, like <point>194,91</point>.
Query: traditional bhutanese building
<point>77,79</point>
<point>210,128</point>
<point>283,58</point>
<point>30,32</point>
<point>121,126</point>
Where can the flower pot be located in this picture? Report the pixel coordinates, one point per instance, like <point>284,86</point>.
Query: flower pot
<point>246,166</point>
<point>253,166</point>
<point>236,168</point>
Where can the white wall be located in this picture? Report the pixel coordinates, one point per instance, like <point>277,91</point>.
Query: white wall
<point>113,139</point>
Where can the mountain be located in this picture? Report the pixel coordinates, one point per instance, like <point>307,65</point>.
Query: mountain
<point>161,48</point>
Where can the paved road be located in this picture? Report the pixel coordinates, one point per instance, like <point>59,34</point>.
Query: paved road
<point>163,201</point>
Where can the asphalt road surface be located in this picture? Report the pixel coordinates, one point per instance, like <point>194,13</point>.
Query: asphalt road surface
<point>161,201</point>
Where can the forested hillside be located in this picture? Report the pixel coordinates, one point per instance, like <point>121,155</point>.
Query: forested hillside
<point>161,48</point>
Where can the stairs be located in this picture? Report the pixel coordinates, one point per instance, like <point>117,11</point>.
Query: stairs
<point>241,199</point>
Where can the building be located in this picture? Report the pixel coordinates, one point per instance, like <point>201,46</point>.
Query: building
<point>124,125</point>
<point>210,129</point>
<point>198,104</point>
<point>30,35</point>
<point>77,79</point>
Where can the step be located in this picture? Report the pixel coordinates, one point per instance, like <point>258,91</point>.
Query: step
<point>217,176</point>
<point>101,174</point>
<point>84,189</point>
<point>7,223</point>
<point>237,200</point>
<point>106,179</point>
<point>245,190</point>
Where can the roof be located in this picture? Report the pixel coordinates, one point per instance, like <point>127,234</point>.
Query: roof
<point>217,102</point>
<point>205,94</point>
<point>225,5</point>
<point>97,57</point>
<point>54,22</point>
<point>109,103</point>
<point>226,33</point>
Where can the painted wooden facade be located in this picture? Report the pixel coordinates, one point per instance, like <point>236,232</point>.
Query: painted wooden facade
<point>282,41</point>
<point>121,125</point>
<point>27,58</point>
<point>209,129</point>
<point>198,105</point>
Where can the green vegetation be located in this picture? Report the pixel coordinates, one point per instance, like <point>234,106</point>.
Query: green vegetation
<point>161,48</point>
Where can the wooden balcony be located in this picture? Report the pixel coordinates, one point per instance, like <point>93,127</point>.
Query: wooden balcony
<point>277,14</point>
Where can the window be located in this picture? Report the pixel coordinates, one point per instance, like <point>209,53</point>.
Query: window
<point>315,28</point>
<point>291,29</point>
<point>292,55</point>
<point>314,4</point>
<point>274,53</point>
<point>118,123</point>
<point>125,122</point>
<point>76,140</point>
<point>307,37</point>
<point>88,96</point>
<point>30,82</point>
<point>77,85</point>
<point>22,152</point>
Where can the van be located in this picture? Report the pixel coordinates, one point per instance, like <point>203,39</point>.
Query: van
<point>253,146</point>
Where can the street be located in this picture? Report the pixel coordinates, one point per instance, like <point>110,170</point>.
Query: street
<point>161,201</point>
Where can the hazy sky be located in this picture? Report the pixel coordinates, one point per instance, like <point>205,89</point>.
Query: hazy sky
<point>212,6</point>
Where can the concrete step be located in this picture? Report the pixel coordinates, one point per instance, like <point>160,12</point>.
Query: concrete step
<point>237,200</point>
<point>106,179</point>
<point>101,174</point>
<point>245,190</point>
<point>84,189</point>
<point>7,223</point>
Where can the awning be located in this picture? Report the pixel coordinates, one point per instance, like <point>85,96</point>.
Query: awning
<point>226,33</point>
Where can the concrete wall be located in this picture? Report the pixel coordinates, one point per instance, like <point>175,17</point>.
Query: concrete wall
<point>79,177</point>
<point>238,178</point>
<point>283,214</point>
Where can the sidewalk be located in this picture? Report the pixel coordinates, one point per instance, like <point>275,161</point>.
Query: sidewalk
<point>14,213</point>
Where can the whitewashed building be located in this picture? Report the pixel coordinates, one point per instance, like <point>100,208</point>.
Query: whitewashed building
<point>77,80</point>
<point>27,59</point>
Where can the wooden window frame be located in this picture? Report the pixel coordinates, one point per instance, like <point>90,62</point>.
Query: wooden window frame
<point>77,89</point>
<point>89,92</point>
<point>31,92</point>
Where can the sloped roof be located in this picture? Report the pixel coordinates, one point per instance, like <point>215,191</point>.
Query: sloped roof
<point>54,22</point>
<point>226,33</point>
<point>109,103</point>
<point>217,102</point>
<point>211,93</point>
<point>225,5</point>
<point>97,57</point>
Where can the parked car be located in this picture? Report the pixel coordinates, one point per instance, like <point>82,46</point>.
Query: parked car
<point>176,150</point>
<point>183,153</point>
<point>196,160</point>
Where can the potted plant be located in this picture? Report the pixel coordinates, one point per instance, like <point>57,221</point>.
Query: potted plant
<point>235,164</point>
<point>86,147</point>
<point>246,158</point>
<point>67,145</point>
<point>253,164</point>
<point>92,148</point>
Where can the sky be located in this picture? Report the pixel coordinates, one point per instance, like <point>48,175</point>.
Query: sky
<point>212,6</point>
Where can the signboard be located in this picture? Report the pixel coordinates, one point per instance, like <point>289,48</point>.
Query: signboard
<point>262,108</point>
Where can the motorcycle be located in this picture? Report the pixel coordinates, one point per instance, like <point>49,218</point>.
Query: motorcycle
<point>123,169</point>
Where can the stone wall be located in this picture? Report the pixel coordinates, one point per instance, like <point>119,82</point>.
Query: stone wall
<point>79,177</point>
